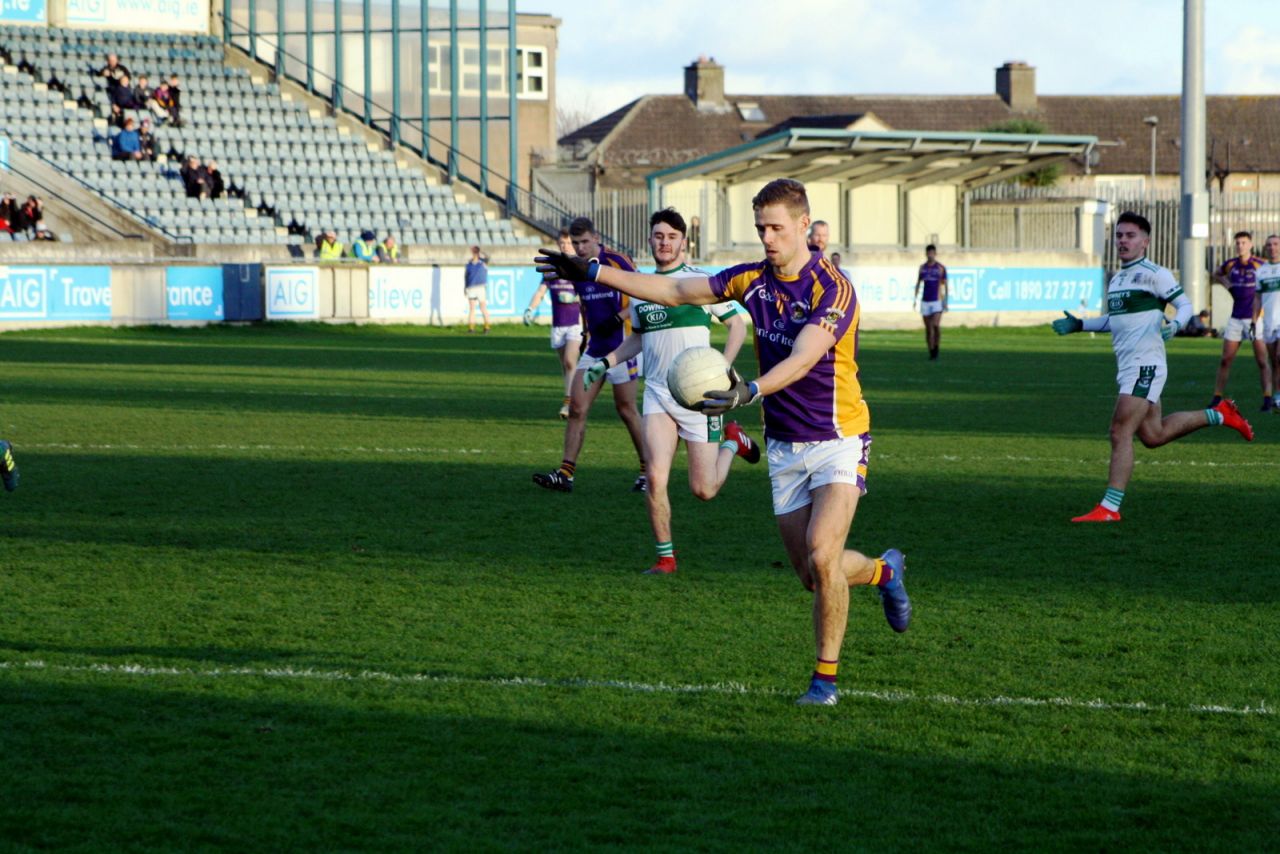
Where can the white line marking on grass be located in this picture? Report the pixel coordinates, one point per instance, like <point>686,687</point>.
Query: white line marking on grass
<point>308,674</point>
<point>606,453</point>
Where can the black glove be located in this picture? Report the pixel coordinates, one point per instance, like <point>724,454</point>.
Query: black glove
<point>565,266</point>
<point>608,326</point>
<point>739,393</point>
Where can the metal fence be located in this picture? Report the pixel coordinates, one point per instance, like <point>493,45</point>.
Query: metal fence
<point>1024,226</point>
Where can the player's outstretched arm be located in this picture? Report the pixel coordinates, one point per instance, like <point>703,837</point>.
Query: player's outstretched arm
<point>626,350</point>
<point>646,286</point>
<point>1067,324</point>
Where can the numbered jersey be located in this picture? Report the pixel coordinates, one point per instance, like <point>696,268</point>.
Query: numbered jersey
<point>670,330</point>
<point>1136,297</point>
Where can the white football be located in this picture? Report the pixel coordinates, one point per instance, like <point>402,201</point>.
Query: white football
<point>695,372</point>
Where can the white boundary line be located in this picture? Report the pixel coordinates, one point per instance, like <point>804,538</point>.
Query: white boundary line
<point>478,452</point>
<point>308,674</point>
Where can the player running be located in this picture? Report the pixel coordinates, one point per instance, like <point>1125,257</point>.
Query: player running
<point>606,316</point>
<point>664,333</point>
<point>8,468</point>
<point>817,426</point>
<point>1269,296</point>
<point>933,277</point>
<point>1136,297</point>
<point>1239,275</point>
<point>566,322</point>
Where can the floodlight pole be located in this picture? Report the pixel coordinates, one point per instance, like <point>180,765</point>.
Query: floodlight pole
<point>1194,218</point>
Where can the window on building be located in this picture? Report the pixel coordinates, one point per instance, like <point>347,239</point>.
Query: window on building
<point>468,70</point>
<point>750,111</point>
<point>531,72</point>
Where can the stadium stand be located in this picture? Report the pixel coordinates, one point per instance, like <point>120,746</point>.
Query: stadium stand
<point>294,166</point>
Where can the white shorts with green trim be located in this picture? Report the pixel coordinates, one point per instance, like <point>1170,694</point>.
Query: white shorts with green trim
<point>1145,381</point>
<point>691,426</point>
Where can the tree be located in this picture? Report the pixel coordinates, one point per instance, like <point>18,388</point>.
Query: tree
<point>1046,177</point>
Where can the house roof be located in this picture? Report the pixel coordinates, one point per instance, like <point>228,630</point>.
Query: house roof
<point>660,131</point>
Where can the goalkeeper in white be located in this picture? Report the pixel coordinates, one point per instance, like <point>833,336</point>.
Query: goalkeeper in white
<point>1136,297</point>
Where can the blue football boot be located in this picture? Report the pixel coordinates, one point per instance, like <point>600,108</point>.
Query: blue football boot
<point>897,607</point>
<point>820,693</point>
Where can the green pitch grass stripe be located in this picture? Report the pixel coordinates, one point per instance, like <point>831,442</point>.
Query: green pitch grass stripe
<point>308,674</point>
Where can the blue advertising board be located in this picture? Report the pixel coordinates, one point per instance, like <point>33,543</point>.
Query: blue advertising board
<point>193,293</point>
<point>24,12</point>
<point>55,293</point>
<point>242,291</point>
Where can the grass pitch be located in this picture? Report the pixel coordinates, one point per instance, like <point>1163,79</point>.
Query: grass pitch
<point>291,587</point>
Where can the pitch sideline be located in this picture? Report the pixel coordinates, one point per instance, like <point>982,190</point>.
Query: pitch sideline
<point>289,673</point>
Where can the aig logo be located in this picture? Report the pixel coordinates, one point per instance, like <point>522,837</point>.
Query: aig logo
<point>962,287</point>
<point>87,11</point>
<point>24,293</point>
<point>502,291</point>
<point>292,293</point>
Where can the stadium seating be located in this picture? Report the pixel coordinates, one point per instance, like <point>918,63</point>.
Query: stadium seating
<point>264,142</point>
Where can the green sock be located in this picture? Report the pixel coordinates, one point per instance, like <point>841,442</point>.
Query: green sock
<point>1214,416</point>
<point>666,549</point>
<point>1111,500</point>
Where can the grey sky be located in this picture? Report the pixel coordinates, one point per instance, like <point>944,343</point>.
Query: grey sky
<point>613,51</point>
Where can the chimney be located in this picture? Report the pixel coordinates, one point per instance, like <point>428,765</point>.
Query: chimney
<point>1016,85</point>
<point>704,84</point>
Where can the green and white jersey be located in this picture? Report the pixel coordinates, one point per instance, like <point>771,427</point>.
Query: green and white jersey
<point>670,330</point>
<point>1136,297</point>
<point>1268,277</point>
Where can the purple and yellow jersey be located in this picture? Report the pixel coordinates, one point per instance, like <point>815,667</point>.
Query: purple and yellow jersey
<point>826,403</point>
<point>600,302</point>
<point>1242,278</point>
<point>932,274</point>
<point>564,303</point>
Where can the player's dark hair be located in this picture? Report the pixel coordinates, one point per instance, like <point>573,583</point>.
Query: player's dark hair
<point>783,191</point>
<point>580,226</point>
<point>564,232</point>
<point>1240,234</point>
<point>671,217</point>
<point>931,248</point>
<point>1135,219</point>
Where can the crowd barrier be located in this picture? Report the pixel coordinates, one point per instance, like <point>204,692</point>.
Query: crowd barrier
<point>34,295</point>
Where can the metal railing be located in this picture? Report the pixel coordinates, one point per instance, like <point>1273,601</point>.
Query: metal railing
<point>53,193</point>
<point>516,202</point>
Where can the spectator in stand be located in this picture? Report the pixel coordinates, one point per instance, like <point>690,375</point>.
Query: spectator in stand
<point>113,71</point>
<point>8,212</point>
<point>389,250</point>
<point>30,215</point>
<point>142,93</point>
<point>216,185</point>
<point>43,233</point>
<point>194,179</point>
<point>363,248</point>
<point>161,103</point>
<point>122,100</point>
<point>329,248</point>
<point>147,140</point>
<point>175,99</point>
<point>126,144</point>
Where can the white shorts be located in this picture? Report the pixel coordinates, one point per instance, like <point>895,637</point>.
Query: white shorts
<point>1271,327</point>
<point>562,335</point>
<point>476,292</point>
<point>1145,381</point>
<point>691,426</point>
<point>624,372</point>
<point>798,468</point>
<point>1238,329</point>
<point>931,307</point>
